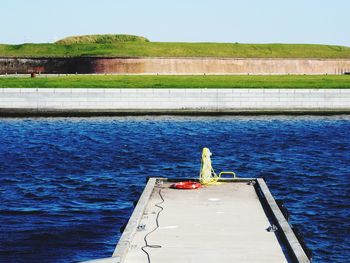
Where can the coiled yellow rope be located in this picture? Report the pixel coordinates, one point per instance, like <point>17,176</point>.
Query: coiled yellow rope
<point>207,175</point>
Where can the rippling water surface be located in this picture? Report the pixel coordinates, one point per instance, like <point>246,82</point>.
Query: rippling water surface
<point>68,185</point>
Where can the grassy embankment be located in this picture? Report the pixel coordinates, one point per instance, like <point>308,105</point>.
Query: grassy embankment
<point>133,46</point>
<point>123,81</point>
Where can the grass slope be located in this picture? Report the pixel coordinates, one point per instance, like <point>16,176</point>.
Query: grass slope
<point>123,81</point>
<point>167,49</point>
<point>100,39</point>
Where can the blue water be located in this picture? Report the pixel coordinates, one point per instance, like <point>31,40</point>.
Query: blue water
<point>68,185</point>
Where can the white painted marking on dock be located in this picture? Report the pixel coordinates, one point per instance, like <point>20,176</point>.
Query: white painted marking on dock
<point>168,227</point>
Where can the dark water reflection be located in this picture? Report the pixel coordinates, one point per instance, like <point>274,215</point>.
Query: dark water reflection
<point>67,185</point>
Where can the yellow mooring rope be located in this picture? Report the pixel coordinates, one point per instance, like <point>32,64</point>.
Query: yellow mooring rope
<point>207,175</point>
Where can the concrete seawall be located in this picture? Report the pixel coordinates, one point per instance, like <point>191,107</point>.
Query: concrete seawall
<point>91,65</point>
<point>27,101</point>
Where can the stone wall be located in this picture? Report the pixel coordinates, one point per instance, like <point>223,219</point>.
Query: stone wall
<point>94,65</point>
<point>173,100</point>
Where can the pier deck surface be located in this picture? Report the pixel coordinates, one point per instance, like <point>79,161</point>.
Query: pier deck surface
<point>219,223</point>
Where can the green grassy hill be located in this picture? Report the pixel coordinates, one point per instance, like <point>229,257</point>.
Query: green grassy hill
<point>133,46</point>
<point>100,39</point>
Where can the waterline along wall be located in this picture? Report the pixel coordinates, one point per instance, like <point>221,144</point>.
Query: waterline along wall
<point>112,65</point>
<point>27,101</point>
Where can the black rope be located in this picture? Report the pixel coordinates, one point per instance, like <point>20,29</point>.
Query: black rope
<point>157,226</point>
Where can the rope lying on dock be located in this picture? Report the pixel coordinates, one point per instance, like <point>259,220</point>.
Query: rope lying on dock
<point>207,175</point>
<point>157,226</point>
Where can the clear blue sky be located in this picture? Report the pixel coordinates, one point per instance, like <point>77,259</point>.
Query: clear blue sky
<point>244,21</point>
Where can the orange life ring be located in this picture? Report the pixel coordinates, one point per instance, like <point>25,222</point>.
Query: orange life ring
<point>189,185</point>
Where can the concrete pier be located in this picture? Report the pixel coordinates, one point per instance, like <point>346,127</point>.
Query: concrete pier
<point>80,102</point>
<point>228,222</point>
